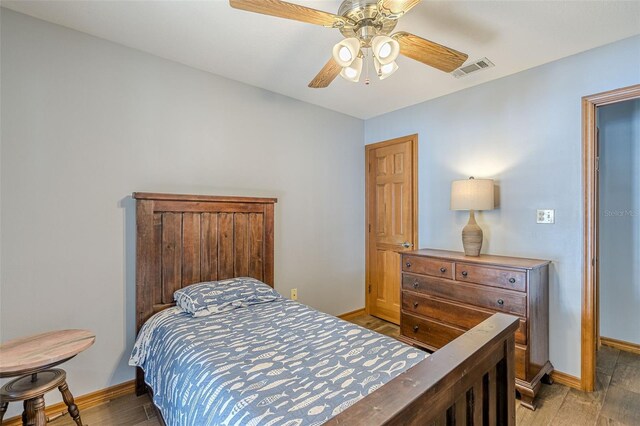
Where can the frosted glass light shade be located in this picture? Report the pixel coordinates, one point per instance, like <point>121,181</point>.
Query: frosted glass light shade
<point>352,72</point>
<point>472,194</point>
<point>385,49</point>
<point>385,71</point>
<point>346,52</point>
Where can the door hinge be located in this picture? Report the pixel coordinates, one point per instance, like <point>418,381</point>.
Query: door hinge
<point>597,164</point>
<point>369,227</point>
<point>369,166</point>
<point>369,288</point>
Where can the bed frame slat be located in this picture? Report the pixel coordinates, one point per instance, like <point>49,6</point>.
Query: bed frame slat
<point>209,247</point>
<point>225,246</point>
<point>256,245</point>
<point>171,255</point>
<point>241,244</point>
<point>191,240</point>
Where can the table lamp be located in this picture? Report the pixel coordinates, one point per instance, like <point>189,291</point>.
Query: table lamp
<point>472,194</point>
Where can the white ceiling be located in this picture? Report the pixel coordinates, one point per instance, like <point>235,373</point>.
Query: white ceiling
<point>283,56</point>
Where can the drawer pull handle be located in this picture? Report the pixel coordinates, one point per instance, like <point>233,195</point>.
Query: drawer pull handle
<point>415,328</point>
<point>500,302</point>
<point>415,284</point>
<point>443,269</point>
<point>512,280</point>
<point>415,304</point>
<point>408,264</point>
<point>465,273</point>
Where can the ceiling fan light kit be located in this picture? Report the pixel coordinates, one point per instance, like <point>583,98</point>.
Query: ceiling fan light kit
<point>346,51</point>
<point>385,49</point>
<point>386,70</point>
<point>352,72</point>
<point>365,24</point>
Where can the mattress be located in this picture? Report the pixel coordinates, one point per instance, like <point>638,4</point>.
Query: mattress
<point>276,363</point>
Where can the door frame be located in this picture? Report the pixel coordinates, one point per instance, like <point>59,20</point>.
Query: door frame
<point>589,325</point>
<point>368,210</point>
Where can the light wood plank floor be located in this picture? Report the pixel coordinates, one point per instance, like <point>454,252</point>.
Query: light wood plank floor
<point>615,402</point>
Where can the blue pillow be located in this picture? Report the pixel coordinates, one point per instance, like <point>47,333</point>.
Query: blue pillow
<point>213,297</point>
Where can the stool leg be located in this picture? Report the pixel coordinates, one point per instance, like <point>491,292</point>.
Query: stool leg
<point>38,408</point>
<point>34,412</point>
<point>68,399</point>
<point>24,413</point>
<point>3,409</point>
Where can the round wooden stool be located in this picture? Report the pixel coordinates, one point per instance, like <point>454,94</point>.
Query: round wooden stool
<point>31,390</point>
<point>31,360</point>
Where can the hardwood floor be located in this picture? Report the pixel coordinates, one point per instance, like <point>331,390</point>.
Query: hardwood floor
<point>616,400</point>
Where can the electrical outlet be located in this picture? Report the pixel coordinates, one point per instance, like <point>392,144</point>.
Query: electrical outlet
<point>294,294</point>
<point>546,216</point>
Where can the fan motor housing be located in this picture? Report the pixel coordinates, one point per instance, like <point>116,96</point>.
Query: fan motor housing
<point>368,21</point>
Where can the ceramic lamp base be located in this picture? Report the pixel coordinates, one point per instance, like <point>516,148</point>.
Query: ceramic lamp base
<point>472,237</point>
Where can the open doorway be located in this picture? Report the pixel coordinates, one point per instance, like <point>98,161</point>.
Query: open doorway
<point>618,172</point>
<point>611,284</point>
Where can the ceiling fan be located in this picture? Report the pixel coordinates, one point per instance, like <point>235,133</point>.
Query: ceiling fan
<point>366,25</point>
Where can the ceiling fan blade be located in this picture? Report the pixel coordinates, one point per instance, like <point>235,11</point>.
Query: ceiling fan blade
<point>394,9</point>
<point>429,52</point>
<point>327,74</point>
<point>293,11</point>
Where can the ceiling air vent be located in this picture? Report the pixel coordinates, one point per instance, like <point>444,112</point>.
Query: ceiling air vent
<point>478,65</point>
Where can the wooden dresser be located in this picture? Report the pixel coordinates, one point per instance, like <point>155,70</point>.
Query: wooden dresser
<point>446,293</point>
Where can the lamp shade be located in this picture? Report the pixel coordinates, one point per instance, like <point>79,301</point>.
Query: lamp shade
<point>345,52</point>
<point>472,194</point>
<point>385,49</point>
<point>353,71</point>
<point>385,71</point>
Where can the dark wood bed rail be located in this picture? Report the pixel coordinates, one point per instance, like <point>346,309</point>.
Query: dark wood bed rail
<point>470,381</point>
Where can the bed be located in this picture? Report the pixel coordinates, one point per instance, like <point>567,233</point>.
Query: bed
<point>296,366</point>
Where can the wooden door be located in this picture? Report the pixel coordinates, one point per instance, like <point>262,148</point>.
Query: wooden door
<point>391,221</point>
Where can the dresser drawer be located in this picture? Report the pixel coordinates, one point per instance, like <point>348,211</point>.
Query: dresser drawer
<point>430,332</point>
<point>462,316</point>
<point>495,277</point>
<point>484,297</point>
<point>427,266</point>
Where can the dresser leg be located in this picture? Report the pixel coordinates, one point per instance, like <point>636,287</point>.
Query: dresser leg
<point>3,409</point>
<point>71,405</point>
<point>528,401</point>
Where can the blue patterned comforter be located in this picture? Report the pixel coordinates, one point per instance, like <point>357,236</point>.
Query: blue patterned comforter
<point>277,363</point>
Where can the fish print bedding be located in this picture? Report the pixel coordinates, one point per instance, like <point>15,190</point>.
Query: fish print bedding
<point>276,363</point>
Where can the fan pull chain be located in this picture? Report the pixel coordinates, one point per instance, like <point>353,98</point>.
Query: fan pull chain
<point>367,80</point>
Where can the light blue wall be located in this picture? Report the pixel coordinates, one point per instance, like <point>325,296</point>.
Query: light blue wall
<point>619,126</point>
<point>85,122</point>
<point>524,131</point>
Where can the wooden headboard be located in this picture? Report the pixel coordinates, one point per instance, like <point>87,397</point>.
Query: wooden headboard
<point>185,239</point>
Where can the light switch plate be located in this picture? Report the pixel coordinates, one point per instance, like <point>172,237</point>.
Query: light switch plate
<point>294,294</point>
<point>546,216</point>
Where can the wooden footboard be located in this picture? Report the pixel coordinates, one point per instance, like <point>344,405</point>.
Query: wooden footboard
<point>470,381</point>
